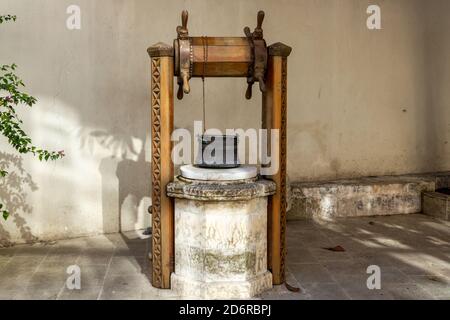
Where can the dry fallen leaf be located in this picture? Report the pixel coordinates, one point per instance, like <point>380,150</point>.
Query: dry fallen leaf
<point>291,288</point>
<point>336,249</point>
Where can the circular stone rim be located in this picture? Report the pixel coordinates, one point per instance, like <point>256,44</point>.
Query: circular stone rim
<point>220,190</point>
<point>224,174</point>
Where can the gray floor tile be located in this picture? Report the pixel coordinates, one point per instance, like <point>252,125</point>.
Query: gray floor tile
<point>125,265</point>
<point>14,281</point>
<point>7,252</point>
<point>339,269</point>
<point>434,285</point>
<point>322,254</point>
<point>90,293</point>
<point>325,291</point>
<point>413,252</point>
<point>128,287</point>
<point>65,259</point>
<point>93,276</point>
<point>92,258</point>
<point>408,292</point>
<point>310,273</point>
<point>42,280</point>
<point>357,293</point>
<point>32,250</point>
<point>22,264</point>
<point>300,255</point>
<point>41,293</point>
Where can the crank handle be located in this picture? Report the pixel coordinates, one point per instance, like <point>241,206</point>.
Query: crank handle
<point>186,86</point>
<point>248,93</point>
<point>262,84</point>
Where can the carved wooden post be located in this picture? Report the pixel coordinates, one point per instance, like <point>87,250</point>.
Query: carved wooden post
<point>162,166</point>
<point>275,117</point>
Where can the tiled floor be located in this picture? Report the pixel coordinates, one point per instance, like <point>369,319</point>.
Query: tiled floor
<point>413,253</point>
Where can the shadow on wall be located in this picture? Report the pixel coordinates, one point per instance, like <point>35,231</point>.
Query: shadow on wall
<point>125,180</point>
<point>13,194</point>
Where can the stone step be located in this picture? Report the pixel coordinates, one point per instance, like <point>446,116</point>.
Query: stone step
<point>372,196</point>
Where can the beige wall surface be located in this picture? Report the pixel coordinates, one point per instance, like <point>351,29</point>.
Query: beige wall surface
<point>361,102</point>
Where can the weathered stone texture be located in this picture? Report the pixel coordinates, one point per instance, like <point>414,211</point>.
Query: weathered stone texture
<point>221,290</point>
<point>437,205</point>
<point>221,239</point>
<point>220,190</point>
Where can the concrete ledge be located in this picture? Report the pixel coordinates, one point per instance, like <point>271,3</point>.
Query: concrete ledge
<point>363,197</point>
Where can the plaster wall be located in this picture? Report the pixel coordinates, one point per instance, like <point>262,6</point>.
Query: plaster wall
<point>361,102</point>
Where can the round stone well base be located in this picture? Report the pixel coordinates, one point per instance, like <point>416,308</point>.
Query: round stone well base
<point>221,237</point>
<point>245,289</point>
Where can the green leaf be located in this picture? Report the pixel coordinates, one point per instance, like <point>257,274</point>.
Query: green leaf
<point>5,215</point>
<point>6,18</point>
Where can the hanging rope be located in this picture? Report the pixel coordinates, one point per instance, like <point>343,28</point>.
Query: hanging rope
<point>205,60</point>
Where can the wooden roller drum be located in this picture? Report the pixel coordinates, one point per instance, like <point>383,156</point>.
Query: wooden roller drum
<point>220,56</point>
<point>226,57</point>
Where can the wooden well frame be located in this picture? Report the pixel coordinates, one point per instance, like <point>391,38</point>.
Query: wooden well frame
<point>274,116</point>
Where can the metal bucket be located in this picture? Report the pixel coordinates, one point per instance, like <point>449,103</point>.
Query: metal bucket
<point>218,152</point>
